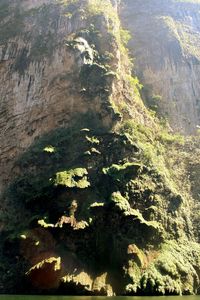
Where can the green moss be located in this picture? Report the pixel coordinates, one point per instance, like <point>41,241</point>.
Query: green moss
<point>120,202</point>
<point>49,149</point>
<point>154,144</point>
<point>137,209</point>
<point>103,7</point>
<point>172,272</point>
<point>123,172</point>
<point>123,205</point>
<point>92,140</point>
<point>72,178</point>
<point>166,137</point>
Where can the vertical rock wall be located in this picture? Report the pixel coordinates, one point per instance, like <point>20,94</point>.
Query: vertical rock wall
<point>166,46</point>
<point>41,88</point>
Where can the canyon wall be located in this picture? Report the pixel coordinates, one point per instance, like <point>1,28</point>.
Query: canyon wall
<point>97,196</point>
<point>40,86</point>
<point>165,44</point>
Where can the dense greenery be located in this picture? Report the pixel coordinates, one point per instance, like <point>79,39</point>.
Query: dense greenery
<point>115,200</point>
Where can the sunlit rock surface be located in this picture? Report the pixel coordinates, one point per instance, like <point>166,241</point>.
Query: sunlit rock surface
<point>166,46</point>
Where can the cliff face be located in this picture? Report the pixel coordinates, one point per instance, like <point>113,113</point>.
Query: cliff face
<point>97,197</point>
<point>45,82</point>
<point>165,44</point>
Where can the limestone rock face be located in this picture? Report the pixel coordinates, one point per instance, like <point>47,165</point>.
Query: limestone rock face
<point>41,88</point>
<point>166,46</point>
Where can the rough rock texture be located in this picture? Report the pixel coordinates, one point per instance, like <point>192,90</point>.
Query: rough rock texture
<point>97,197</point>
<point>165,44</point>
<point>40,86</point>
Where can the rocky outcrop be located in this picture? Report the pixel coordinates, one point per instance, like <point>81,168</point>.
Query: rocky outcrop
<point>165,44</point>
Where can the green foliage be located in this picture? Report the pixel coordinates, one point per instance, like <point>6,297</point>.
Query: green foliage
<point>135,84</point>
<point>154,102</point>
<point>72,178</point>
<point>125,36</point>
<point>144,137</point>
<point>167,275</point>
<point>120,202</point>
<point>124,197</point>
<point>123,205</point>
<point>49,149</point>
<point>154,143</point>
<point>166,137</point>
<point>123,172</point>
<point>93,140</point>
<point>101,7</point>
